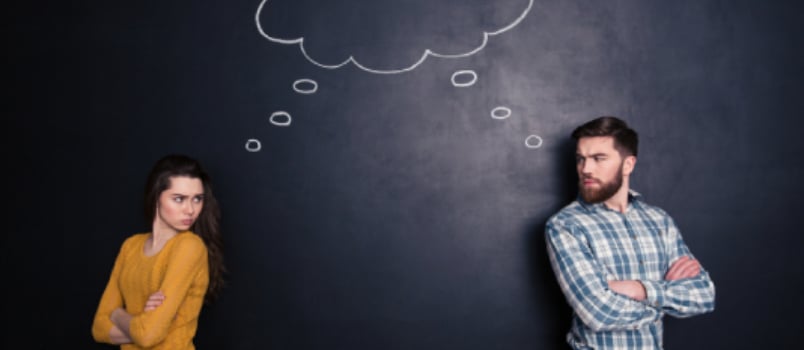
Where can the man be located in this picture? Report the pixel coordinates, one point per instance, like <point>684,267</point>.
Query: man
<point>621,263</point>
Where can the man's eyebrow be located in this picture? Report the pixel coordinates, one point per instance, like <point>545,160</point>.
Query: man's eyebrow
<point>591,155</point>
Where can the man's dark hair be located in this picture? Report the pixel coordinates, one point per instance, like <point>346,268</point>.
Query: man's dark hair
<point>626,140</point>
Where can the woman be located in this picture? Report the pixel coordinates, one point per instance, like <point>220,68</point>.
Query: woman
<point>161,279</point>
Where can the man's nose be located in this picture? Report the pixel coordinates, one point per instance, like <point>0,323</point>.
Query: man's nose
<point>586,167</point>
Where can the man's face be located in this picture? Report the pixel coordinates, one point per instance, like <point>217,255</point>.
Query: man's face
<point>600,168</point>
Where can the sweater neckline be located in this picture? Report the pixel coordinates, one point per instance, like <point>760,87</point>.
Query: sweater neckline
<point>165,246</point>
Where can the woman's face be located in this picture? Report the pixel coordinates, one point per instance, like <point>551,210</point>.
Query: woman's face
<point>179,205</point>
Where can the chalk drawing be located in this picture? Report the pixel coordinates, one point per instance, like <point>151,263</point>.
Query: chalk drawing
<point>500,112</point>
<point>533,141</point>
<point>425,54</point>
<point>253,145</point>
<point>280,118</point>
<point>305,86</point>
<point>472,78</point>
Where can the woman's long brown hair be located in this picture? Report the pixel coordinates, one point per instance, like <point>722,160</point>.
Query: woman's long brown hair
<point>207,226</point>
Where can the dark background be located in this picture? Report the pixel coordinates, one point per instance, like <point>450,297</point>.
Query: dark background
<point>394,212</point>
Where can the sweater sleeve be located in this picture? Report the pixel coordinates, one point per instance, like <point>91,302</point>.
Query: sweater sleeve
<point>585,287</point>
<point>187,260</point>
<point>110,300</point>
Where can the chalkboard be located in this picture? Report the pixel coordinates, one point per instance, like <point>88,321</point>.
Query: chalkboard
<point>385,168</point>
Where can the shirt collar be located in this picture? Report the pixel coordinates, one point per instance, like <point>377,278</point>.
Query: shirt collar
<point>633,198</point>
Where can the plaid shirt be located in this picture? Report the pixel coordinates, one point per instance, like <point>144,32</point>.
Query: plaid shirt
<point>590,244</point>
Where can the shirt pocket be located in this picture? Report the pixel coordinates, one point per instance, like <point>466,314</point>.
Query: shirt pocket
<point>616,257</point>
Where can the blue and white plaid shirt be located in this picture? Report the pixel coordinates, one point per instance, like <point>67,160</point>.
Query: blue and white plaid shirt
<point>590,244</point>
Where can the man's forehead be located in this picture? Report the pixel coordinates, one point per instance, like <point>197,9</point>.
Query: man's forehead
<point>595,144</point>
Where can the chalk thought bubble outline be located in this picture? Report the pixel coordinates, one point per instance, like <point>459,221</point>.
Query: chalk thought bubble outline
<point>538,143</point>
<point>500,112</point>
<point>253,145</point>
<point>427,52</point>
<point>472,78</point>
<point>274,119</point>
<point>298,86</point>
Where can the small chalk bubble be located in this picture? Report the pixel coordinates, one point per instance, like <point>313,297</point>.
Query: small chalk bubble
<point>305,86</point>
<point>533,141</point>
<point>472,78</point>
<point>500,112</point>
<point>253,145</point>
<point>280,118</point>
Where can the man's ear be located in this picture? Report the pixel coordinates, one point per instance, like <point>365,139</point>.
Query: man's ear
<point>628,165</point>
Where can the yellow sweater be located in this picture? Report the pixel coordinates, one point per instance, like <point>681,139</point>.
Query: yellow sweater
<point>179,270</point>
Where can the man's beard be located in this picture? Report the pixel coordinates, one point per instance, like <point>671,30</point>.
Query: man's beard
<point>606,190</point>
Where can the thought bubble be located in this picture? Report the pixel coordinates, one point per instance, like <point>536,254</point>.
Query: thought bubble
<point>533,141</point>
<point>464,78</point>
<point>386,37</point>
<point>253,145</point>
<point>280,118</point>
<point>305,86</point>
<point>500,112</point>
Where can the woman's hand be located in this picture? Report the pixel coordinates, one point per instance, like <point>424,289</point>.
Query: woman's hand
<point>154,301</point>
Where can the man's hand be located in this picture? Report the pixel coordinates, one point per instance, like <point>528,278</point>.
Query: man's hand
<point>684,267</point>
<point>154,300</point>
<point>630,288</point>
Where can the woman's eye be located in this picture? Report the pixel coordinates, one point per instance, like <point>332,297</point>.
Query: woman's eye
<point>178,199</point>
